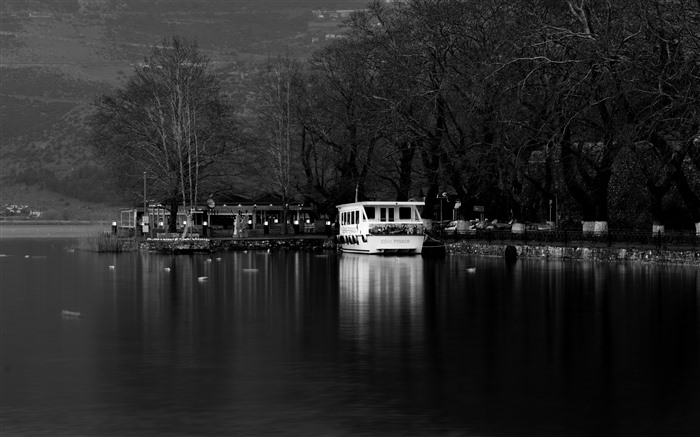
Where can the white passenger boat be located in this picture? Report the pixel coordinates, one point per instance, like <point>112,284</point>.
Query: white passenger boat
<point>381,227</point>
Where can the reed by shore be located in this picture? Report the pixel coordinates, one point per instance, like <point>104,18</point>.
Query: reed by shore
<point>100,242</point>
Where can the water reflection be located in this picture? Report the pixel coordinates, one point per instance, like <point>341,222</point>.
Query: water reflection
<point>380,296</point>
<point>305,344</point>
<point>231,346</point>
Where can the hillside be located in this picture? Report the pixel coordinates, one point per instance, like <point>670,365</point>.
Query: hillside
<point>52,206</point>
<point>58,56</point>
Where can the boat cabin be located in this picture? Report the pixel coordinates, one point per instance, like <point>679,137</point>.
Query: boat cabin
<point>380,218</point>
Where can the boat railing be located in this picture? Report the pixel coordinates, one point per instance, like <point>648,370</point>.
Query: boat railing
<point>384,228</point>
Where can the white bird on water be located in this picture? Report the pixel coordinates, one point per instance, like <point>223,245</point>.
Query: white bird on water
<point>471,269</point>
<point>167,269</point>
<point>111,267</point>
<point>203,278</point>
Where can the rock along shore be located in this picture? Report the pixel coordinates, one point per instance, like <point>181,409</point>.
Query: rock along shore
<point>621,254</point>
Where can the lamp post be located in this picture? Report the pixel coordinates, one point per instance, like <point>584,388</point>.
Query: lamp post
<point>255,215</point>
<point>143,218</point>
<point>210,206</point>
<point>441,196</point>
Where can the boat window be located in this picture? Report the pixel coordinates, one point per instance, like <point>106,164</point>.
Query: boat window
<point>405,213</point>
<point>357,217</point>
<point>369,212</point>
<point>386,214</point>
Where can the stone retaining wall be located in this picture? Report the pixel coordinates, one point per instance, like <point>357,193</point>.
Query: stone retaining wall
<point>688,257</point>
<point>167,245</point>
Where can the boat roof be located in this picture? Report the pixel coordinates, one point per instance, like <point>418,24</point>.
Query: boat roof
<point>380,203</point>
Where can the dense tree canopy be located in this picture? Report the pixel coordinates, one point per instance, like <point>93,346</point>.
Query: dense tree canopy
<point>588,105</point>
<point>516,106</point>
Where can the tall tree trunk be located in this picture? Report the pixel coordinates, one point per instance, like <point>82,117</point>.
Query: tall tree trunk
<point>569,162</point>
<point>690,197</point>
<point>173,206</point>
<point>408,151</point>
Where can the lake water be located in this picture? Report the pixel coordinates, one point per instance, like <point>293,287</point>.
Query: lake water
<point>301,344</point>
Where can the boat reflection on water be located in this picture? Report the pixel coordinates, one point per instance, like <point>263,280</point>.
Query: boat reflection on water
<point>310,344</point>
<point>380,297</point>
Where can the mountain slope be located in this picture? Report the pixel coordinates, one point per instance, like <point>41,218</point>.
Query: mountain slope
<point>58,56</point>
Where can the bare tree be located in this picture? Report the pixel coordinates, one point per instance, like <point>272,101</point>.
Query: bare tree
<point>434,62</point>
<point>341,118</point>
<point>667,73</point>
<point>172,123</point>
<point>277,109</point>
<point>536,99</point>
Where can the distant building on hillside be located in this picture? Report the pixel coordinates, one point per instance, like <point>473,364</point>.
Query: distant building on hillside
<point>334,14</point>
<point>21,211</point>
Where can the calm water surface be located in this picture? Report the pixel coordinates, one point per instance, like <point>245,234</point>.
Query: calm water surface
<point>302,344</point>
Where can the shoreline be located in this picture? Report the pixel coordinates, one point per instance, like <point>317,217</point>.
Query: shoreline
<point>684,257</point>
<point>53,222</point>
<point>50,229</point>
<point>679,256</point>
<point>83,229</point>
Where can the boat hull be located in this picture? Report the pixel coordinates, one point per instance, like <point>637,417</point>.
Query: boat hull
<point>381,244</point>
